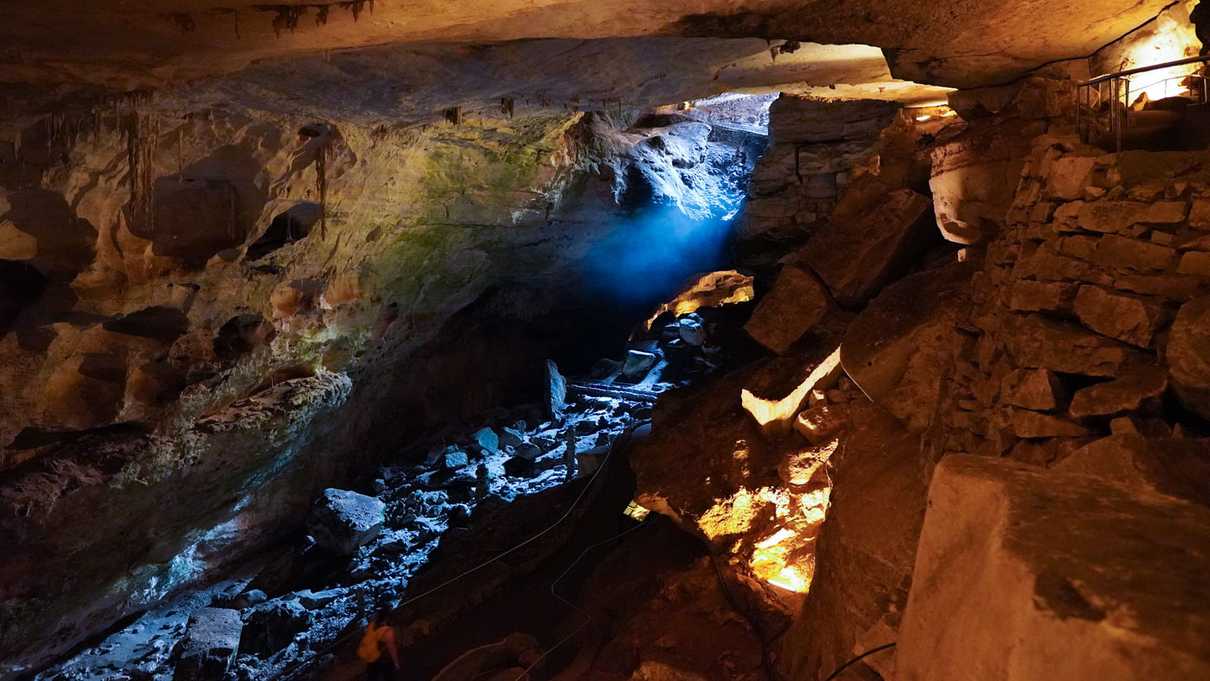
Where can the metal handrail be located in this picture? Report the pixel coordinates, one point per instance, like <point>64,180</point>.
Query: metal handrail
<point>1143,69</point>
<point>1120,84</point>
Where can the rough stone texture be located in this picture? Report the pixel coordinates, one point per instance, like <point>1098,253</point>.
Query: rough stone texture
<point>272,626</point>
<point>1126,318</point>
<point>1126,393</point>
<point>820,423</point>
<point>1173,466</point>
<point>1049,344</point>
<point>855,259</point>
<point>211,643</point>
<point>796,303</point>
<point>864,560</point>
<point>973,178</point>
<point>1038,296</point>
<point>967,45</point>
<point>343,521</point>
<point>1088,579</point>
<point>1188,355</point>
<point>1037,389</point>
<point>898,349</point>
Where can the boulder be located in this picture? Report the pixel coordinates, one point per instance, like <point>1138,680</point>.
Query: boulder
<point>637,364</point>
<point>556,391</point>
<point>1188,355</point>
<point>899,348</point>
<point>343,521</point>
<point>1124,317</point>
<point>1039,296</point>
<point>1086,579</point>
<point>796,303</point>
<point>1038,342</point>
<point>856,259</point>
<point>272,626</point>
<point>820,423</point>
<point>1037,389</point>
<point>453,458</point>
<point>690,330</point>
<point>863,562</point>
<point>528,451</point>
<point>487,439</point>
<point>1169,465</point>
<point>1194,263</point>
<point>1123,394</point>
<point>211,642</point>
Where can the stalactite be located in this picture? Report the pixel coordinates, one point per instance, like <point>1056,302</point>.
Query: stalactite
<point>142,133</point>
<point>321,15</point>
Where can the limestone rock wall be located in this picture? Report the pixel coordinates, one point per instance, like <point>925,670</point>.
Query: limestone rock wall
<point>209,314</point>
<point>1075,333</point>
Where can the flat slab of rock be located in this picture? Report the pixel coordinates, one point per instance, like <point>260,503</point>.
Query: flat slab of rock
<point>856,259</point>
<point>1087,580</point>
<point>343,521</point>
<point>1044,343</point>
<point>210,644</point>
<point>793,307</point>
<point>1124,317</point>
<point>1123,394</point>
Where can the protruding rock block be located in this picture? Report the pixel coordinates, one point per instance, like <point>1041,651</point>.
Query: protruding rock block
<point>1037,389</point>
<point>1189,355</point>
<point>273,625</point>
<point>1124,317</point>
<point>1044,343</point>
<point>856,259</point>
<point>1032,424</point>
<point>556,391</point>
<point>1023,574</point>
<point>898,349</point>
<point>1124,394</point>
<point>793,307</point>
<point>211,642</point>
<point>344,521</point>
<point>637,364</point>
<point>1170,465</point>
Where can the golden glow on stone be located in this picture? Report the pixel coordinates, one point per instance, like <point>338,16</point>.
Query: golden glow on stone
<point>1171,40</point>
<point>714,289</point>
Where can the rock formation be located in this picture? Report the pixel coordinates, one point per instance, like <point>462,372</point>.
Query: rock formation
<point>900,331</point>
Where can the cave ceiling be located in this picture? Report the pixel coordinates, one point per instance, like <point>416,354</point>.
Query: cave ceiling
<point>560,49</point>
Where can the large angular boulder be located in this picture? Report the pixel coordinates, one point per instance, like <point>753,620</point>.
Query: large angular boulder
<point>273,625</point>
<point>1123,394</point>
<point>793,307</point>
<point>1174,466</point>
<point>343,521</point>
<point>1023,574</point>
<point>211,641</point>
<point>1189,355</point>
<point>898,349</point>
<point>856,259</point>
<point>1127,318</point>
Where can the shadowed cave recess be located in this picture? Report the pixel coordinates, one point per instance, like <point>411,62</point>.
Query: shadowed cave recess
<point>609,340</point>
